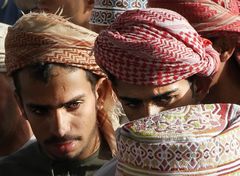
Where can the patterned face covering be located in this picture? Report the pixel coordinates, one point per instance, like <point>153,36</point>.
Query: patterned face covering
<point>49,38</point>
<point>154,47</point>
<point>190,140</point>
<point>208,17</point>
<point>3,33</point>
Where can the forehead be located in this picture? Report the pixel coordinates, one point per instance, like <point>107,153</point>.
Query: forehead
<point>141,92</point>
<point>5,81</point>
<point>61,87</point>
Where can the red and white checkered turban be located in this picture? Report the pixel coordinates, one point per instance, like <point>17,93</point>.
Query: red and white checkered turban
<point>208,17</point>
<point>154,47</point>
<point>49,38</point>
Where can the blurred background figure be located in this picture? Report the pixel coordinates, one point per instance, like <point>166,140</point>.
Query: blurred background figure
<point>105,12</point>
<point>12,10</point>
<point>15,132</point>
<point>9,13</point>
<point>218,21</point>
<point>78,11</point>
<point>26,5</point>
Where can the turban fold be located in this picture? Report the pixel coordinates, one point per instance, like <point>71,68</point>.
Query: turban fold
<point>190,140</point>
<point>51,39</point>
<point>154,47</point>
<point>3,33</point>
<point>208,17</point>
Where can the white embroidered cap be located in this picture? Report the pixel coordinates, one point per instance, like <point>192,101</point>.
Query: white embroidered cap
<point>3,33</point>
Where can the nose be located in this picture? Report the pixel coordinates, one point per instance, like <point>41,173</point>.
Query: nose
<point>60,124</point>
<point>152,109</point>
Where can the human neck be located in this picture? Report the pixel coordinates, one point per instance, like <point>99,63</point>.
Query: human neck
<point>93,146</point>
<point>226,90</point>
<point>15,140</point>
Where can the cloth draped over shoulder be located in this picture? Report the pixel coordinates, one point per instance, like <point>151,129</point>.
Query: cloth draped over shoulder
<point>154,47</point>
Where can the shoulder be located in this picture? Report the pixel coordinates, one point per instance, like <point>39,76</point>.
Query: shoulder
<point>108,169</point>
<point>25,161</point>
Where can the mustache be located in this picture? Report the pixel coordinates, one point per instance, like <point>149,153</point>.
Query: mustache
<point>55,139</point>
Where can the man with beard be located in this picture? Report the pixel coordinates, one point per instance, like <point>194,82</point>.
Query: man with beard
<point>61,92</point>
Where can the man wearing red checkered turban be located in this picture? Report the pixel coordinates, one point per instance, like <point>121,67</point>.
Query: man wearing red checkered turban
<point>219,21</point>
<point>156,61</point>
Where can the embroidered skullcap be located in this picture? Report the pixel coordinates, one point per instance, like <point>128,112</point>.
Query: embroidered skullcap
<point>154,47</point>
<point>3,33</point>
<point>208,17</point>
<point>190,140</point>
<point>105,12</point>
<point>42,37</point>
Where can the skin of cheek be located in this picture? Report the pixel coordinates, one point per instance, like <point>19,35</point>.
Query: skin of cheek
<point>79,125</point>
<point>183,97</point>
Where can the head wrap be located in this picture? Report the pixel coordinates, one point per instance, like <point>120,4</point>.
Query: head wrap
<point>190,140</point>
<point>51,39</point>
<point>3,33</point>
<point>208,17</point>
<point>106,11</point>
<point>154,47</point>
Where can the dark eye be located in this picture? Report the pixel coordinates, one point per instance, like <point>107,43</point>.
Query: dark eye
<point>133,104</point>
<point>73,105</point>
<point>39,111</point>
<point>164,100</point>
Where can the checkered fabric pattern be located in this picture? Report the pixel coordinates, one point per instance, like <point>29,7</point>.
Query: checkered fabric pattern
<point>154,47</point>
<point>49,38</point>
<point>208,17</point>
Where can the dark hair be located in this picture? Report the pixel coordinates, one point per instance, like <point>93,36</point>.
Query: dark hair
<point>43,72</point>
<point>112,78</point>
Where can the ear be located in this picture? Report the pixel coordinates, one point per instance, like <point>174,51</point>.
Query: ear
<point>201,86</point>
<point>20,104</point>
<point>101,89</point>
<point>225,46</point>
<point>90,2</point>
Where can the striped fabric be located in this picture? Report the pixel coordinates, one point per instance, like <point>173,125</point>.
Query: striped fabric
<point>51,39</point>
<point>3,33</point>
<point>194,140</point>
<point>154,47</point>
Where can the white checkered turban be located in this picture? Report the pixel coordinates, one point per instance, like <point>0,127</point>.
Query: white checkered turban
<point>154,47</point>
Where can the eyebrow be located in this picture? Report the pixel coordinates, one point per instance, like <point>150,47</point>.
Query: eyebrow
<point>158,96</point>
<point>31,105</point>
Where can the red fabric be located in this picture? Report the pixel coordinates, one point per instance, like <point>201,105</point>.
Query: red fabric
<point>208,17</point>
<point>154,47</point>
